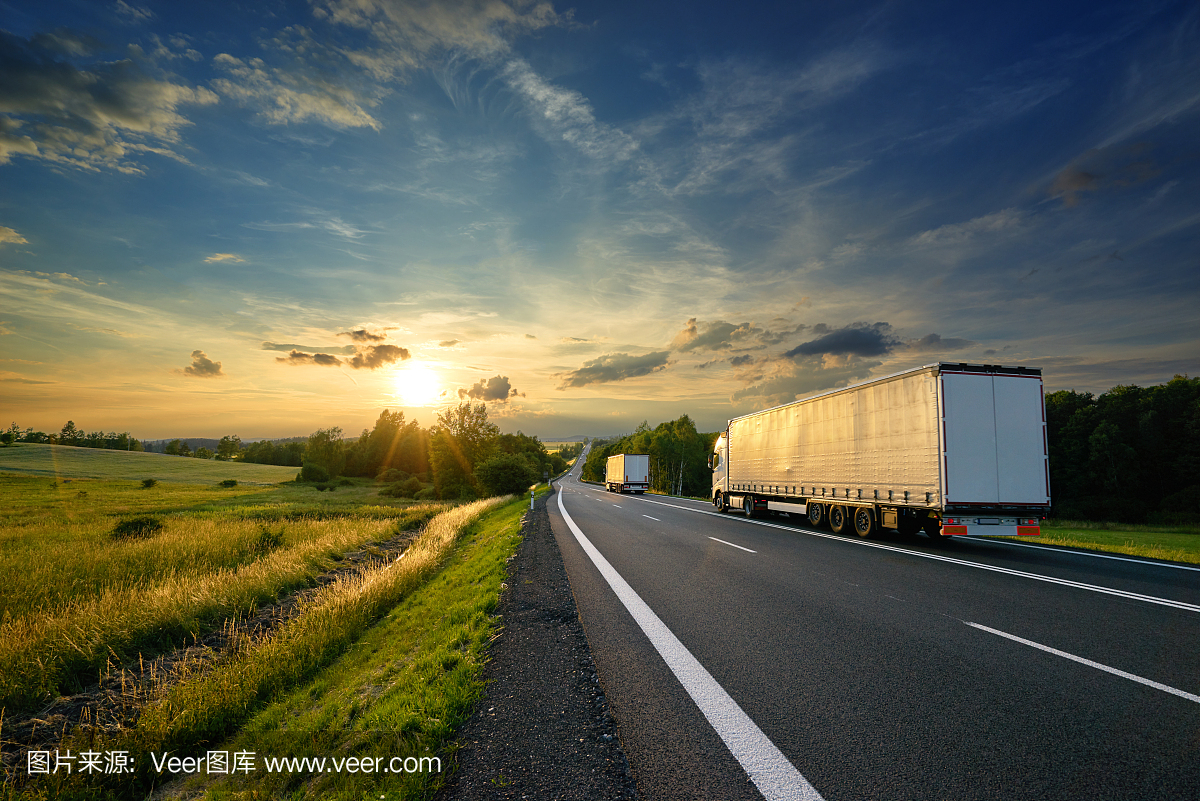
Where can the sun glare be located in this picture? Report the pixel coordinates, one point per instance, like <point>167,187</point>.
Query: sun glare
<point>417,385</point>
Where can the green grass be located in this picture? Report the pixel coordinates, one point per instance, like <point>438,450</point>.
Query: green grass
<point>385,663</point>
<point>399,691</point>
<point>65,461</point>
<point>72,595</point>
<point>1170,543</point>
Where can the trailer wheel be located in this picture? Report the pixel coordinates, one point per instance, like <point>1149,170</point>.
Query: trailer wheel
<point>933,530</point>
<point>837,519</point>
<point>816,514</point>
<point>864,522</point>
<point>748,505</point>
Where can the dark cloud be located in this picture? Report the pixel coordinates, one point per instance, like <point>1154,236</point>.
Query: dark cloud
<point>738,361</point>
<point>498,388</point>
<point>1113,167</point>
<point>103,115</point>
<point>934,343</point>
<point>363,335</point>
<point>614,367</point>
<point>376,356</point>
<point>530,336</point>
<point>721,335</point>
<point>342,349</point>
<point>857,339</point>
<point>202,366</point>
<point>299,357</point>
<point>449,343</point>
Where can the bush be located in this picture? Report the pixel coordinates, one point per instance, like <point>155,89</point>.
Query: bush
<point>147,483</point>
<point>267,540</point>
<point>427,494</point>
<point>229,482</point>
<point>345,482</point>
<point>313,473</point>
<point>392,475</point>
<point>506,474</point>
<point>137,528</point>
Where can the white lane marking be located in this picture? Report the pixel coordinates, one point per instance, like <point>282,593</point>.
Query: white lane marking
<point>1156,685</point>
<point>1133,596</point>
<point>655,519</point>
<point>619,507</point>
<point>1089,553</point>
<point>730,544</point>
<point>772,773</point>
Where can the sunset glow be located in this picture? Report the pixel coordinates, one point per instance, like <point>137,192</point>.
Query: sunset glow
<point>418,385</point>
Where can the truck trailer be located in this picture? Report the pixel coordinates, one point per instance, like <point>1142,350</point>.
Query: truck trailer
<point>627,472</point>
<point>948,449</point>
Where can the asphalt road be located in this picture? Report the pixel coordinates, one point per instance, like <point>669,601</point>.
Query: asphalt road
<point>788,662</point>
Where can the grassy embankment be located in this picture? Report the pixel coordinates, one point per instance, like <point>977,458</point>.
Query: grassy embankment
<point>1171,543</point>
<point>72,597</point>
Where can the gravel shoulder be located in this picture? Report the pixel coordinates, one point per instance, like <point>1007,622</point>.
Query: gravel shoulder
<point>543,729</point>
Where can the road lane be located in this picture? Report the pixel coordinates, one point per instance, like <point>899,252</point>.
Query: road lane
<point>860,666</point>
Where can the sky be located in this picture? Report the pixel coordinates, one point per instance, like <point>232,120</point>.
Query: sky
<point>272,217</point>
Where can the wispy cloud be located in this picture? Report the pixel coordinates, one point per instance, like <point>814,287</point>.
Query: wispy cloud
<point>219,257</point>
<point>10,237</point>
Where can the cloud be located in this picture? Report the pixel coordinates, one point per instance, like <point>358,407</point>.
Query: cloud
<point>202,366</point>
<point>498,388</point>
<point>614,367</point>
<point>106,115</point>
<point>322,359</point>
<point>530,336</point>
<point>857,339</point>
<point>934,343</point>
<point>283,97</point>
<point>959,233</point>
<point>1102,169</point>
<point>449,343</point>
<point>373,357</point>
<point>742,361</point>
<point>132,14</point>
<point>793,380</point>
<point>343,349</point>
<point>10,237</point>
<point>718,335</point>
<point>216,257</point>
<point>363,335</point>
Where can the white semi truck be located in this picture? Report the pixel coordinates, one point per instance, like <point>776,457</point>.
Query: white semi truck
<point>948,449</point>
<point>627,472</point>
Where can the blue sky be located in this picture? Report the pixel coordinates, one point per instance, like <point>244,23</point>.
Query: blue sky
<point>264,218</point>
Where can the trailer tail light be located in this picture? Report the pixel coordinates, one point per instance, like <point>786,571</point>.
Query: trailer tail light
<point>954,521</point>
<point>1028,521</point>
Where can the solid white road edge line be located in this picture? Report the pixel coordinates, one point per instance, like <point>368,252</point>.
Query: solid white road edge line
<point>1133,596</point>
<point>1156,685</point>
<point>772,773</point>
<point>731,545</point>
<point>1093,555</point>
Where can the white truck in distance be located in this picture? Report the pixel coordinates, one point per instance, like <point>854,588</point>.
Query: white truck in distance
<point>627,471</point>
<point>948,449</point>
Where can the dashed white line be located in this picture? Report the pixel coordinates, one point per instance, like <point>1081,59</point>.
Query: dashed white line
<point>1133,596</point>
<point>731,545</point>
<point>774,776</point>
<point>1149,683</point>
<point>655,519</point>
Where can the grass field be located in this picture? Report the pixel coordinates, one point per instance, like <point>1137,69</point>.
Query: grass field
<point>76,603</point>
<point>1171,543</point>
<point>65,461</point>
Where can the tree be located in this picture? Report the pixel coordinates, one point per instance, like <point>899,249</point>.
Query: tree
<point>70,435</point>
<point>468,426</point>
<point>173,447</point>
<point>229,447</point>
<point>325,448</point>
<point>505,474</point>
<point>204,453</point>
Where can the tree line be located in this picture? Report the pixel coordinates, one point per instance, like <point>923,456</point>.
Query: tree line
<point>1131,455</point>
<point>678,456</point>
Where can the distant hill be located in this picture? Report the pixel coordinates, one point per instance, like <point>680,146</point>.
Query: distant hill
<point>65,461</point>
<point>160,445</point>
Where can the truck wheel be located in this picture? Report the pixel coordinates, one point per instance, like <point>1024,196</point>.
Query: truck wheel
<point>719,502</point>
<point>837,519</point>
<point>748,505</point>
<point>816,514</point>
<point>864,522</point>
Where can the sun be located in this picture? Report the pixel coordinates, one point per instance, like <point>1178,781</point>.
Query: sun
<point>417,385</point>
